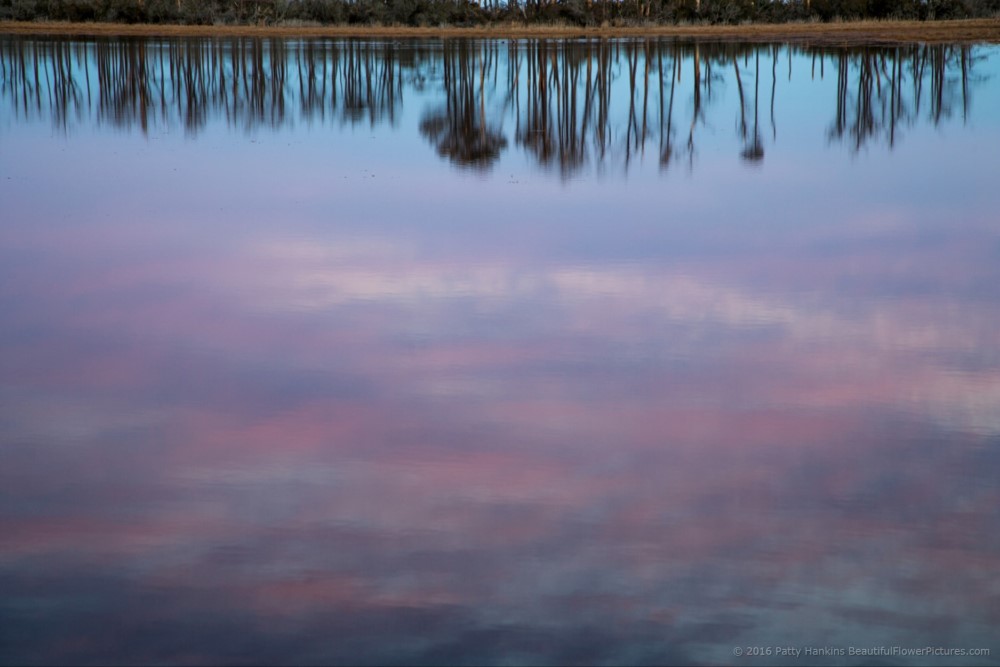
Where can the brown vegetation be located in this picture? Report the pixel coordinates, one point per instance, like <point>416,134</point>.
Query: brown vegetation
<point>853,32</point>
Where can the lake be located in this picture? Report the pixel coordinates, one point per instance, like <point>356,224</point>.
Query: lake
<point>498,352</point>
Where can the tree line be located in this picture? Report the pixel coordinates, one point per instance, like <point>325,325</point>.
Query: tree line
<point>484,12</point>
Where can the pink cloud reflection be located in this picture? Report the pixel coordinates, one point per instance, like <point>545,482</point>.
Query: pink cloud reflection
<point>356,432</point>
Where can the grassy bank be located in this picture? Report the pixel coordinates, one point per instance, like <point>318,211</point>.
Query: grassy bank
<point>965,31</point>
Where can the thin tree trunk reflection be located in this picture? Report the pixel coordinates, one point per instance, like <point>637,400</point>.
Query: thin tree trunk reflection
<point>568,103</point>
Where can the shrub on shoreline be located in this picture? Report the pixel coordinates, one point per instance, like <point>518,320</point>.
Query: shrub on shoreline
<point>486,12</point>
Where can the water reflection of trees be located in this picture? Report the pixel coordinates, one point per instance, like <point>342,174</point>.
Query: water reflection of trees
<point>566,103</point>
<point>881,91</point>
<point>249,82</point>
<point>460,129</point>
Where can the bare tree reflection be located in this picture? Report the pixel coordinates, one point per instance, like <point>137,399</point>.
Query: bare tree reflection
<point>888,89</point>
<point>667,129</point>
<point>753,146</point>
<point>594,102</point>
<point>566,88</point>
<point>144,83</point>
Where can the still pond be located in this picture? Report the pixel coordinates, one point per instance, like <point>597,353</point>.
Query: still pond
<point>481,352</point>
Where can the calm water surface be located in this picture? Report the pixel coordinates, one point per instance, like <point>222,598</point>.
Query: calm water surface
<point>537,352</point>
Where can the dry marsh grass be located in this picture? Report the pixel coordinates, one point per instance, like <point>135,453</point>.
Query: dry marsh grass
<point>850,32</point>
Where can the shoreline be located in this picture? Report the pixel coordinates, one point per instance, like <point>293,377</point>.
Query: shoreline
<point>844,33</point>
